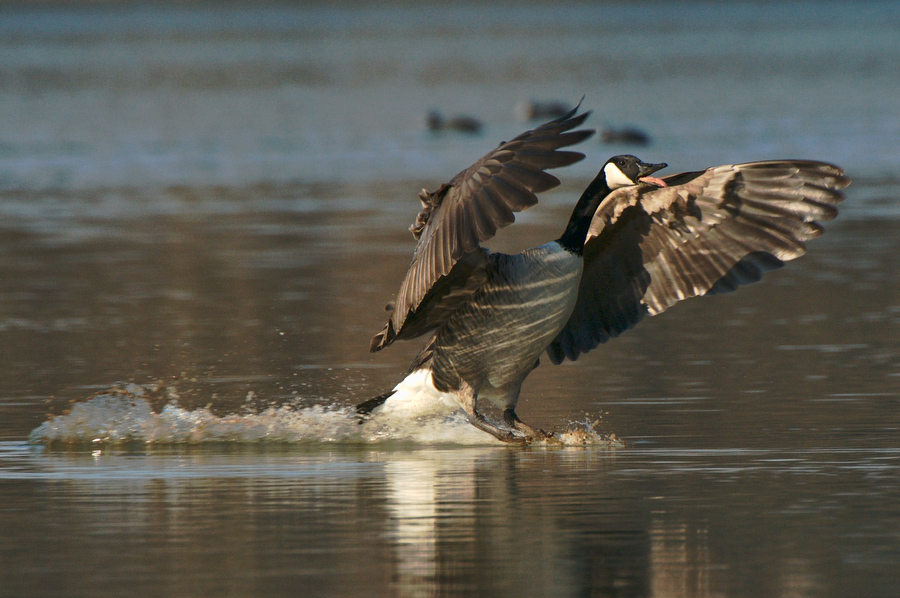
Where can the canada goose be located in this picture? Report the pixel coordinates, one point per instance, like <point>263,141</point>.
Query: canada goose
<point>634,245</point>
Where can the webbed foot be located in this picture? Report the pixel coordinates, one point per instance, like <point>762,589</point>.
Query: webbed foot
<point>506,435</point>
<point>512,420</point>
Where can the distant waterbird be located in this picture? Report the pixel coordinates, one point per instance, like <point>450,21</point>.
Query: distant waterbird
<point>435,121</point>
<point>625,136</point>
<point>529,110</point>
<point>634,245</point>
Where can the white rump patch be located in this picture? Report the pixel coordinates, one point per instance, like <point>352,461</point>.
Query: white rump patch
<point>416,395</point>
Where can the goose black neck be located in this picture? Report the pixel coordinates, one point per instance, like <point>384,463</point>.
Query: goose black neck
<point>572,239</point>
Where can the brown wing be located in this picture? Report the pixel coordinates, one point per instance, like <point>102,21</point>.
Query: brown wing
<point>707,232</point>
<point>468,210</point>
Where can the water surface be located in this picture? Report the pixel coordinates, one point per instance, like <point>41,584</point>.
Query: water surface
<point>203,210</point>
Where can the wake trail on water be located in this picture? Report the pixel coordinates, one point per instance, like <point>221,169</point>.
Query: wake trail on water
<point>125,415</point>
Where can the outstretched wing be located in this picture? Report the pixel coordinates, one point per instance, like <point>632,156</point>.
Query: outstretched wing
<point>448,264</point>
<point>707,232</point>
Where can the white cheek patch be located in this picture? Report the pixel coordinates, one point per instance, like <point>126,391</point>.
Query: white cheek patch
<point>615,178</point>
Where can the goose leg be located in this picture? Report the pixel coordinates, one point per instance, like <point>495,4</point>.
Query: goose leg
<point>468,400</point>
<point>477,420</point>
<point>512,420</point>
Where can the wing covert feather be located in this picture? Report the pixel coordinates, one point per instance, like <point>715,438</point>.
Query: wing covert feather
<point>456,218</point>
<point>708,232</point>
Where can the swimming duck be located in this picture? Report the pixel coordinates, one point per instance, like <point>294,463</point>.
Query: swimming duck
<point>634,245</point>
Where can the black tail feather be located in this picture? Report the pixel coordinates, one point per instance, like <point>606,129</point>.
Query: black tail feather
<point>366,407</point>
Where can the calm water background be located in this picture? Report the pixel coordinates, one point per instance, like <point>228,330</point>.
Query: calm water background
<point>210,204</point>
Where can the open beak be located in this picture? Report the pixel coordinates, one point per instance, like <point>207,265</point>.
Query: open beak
<point>648,169</point>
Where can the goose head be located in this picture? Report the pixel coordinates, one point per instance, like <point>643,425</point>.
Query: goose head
<point>626,170</point>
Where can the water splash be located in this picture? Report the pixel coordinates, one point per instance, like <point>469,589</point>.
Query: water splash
<point>125,415</point>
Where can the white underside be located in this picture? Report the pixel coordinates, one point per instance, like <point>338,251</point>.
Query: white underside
<point>418,411</point>
<point>416,395</point>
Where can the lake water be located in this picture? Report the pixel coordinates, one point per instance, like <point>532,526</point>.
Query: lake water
<point>203,211</point>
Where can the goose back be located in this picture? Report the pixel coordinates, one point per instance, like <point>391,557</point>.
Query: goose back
<point>495,339</point>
